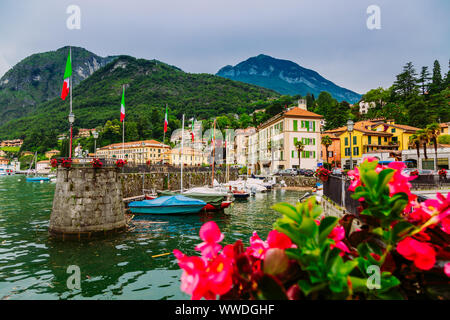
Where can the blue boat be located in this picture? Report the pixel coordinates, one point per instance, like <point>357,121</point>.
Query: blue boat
<point>167,205</point>
<point>32,179</point>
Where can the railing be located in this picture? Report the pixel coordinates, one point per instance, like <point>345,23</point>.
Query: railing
<point>430,181</point>
<point>336,189</point>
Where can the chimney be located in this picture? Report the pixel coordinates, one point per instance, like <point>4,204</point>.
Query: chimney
<point>302,104</point>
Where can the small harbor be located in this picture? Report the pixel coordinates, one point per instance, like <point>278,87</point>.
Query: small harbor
<point>135,264</point>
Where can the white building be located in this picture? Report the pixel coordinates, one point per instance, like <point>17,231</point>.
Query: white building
<point>43,166</point>
<point>443,157</point>
<point>273,146</point>
<point>365,106</point>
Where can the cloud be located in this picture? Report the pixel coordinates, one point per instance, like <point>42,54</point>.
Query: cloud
<point>328,36</point>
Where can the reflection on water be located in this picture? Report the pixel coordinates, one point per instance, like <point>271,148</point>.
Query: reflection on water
<point>33,266</point>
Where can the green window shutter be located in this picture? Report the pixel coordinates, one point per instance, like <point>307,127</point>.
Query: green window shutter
<point>355,139</point>
<point>307,125</point>
<point>314,141</point>
<point>295,141</point>
<point>292,154</point>
<point>379,140</point>
<point>295,125</point>
<point>314,126</point>
<point>346,141</point>
<point>370,139</point>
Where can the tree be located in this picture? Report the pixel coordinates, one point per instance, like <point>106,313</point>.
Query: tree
<point>414,141</point>
<point>424,79</point>
<point>423,137</point>
<point>406,83</point>
<point>326,141</point>
<point>447,77</point>
<point>300,147</point>
<point>433,130</point>
<point>436,80</point>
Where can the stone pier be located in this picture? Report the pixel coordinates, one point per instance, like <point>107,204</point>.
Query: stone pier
<point>87,202</point>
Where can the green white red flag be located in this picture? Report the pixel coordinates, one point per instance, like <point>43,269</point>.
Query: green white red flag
<point>165,121</point>
<point>122,106</point>
<point>67,74</point>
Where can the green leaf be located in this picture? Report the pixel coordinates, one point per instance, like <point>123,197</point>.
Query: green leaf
<point>309,228</point>
<point>326,226</point>
<point>269,288</point>
<point>383,179</point>
<point>401,229</point>
<point>288,210</point>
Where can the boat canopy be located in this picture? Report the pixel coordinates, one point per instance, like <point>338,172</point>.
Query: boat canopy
<point>165,201</point>
<point>211,198</point>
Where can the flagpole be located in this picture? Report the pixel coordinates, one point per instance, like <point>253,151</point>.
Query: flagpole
<point>123,131</point>
<point>70,113</point>
<point>164,139</point>
<point>182,143</point>
<point>214,153</point>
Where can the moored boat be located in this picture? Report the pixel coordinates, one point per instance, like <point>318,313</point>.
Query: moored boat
<point>37,179</point>
<point>177,204</point>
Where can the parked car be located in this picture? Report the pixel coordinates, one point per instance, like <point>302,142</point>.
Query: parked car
<point>308,173</point>
<point>337,171</point>
<point>287,172</point>
<point>301,171</point>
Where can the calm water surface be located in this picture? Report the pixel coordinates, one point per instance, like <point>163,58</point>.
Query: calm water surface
<point>33,266</point>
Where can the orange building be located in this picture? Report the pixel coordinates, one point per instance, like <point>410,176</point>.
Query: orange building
<point>334,150</point>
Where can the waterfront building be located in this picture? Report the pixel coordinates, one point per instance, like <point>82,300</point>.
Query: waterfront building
<point>189,157</point>
<point>27,153</point>
<point>51,153</point>
<point>373,136</point>
<point>241,145</point>
<point>334,150</point>
<point>11,143</point>
<point>43,166</point>
<point>443,157</point>
<point>137,152</point>
<point>276,139</point>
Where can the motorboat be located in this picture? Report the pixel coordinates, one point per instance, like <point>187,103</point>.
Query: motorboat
<point>165,205</point>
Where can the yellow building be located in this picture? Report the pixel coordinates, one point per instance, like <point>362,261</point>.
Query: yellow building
<point>368,137</point>
<point>190,157</point>
<point>137,152</point>
<point>51,153</point>
<point>444,127</point>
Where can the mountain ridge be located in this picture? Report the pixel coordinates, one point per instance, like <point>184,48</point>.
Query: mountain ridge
<point>285,77</point>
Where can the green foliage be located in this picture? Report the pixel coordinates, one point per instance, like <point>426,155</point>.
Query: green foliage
<point>444,139</point>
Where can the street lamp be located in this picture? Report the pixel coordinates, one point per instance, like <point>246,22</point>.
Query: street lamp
<point>95,135</point>
<point>350,130</point>
<point>71,121</point>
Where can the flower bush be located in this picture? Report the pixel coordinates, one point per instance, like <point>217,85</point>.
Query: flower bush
<point>66,163</point>
<point>307,256</point>
<point>322,173</point>
<point>54,163</point>
<point>442,173</point>
<point>414,173</point>
<point>120,163</point>
<point>96,163</point>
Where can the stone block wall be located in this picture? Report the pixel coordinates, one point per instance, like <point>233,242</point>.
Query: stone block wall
<point>87,201</point>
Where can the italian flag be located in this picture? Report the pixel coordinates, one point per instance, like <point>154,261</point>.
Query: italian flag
<point>122,106</point>
<point>165,121</point>
<point>67,74</point>
<point>192,130</point>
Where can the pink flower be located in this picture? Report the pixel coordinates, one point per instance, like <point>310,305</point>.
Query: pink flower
<point>338,234</point>
<point>211,235</point>
<point>257,247</point>
<point>400,183</point>
<point>278,240</point>
<point>356,180</point>
<point>421,253</point>
<point>447,269</point>
<point>443,207</point>
<point>220,272</point>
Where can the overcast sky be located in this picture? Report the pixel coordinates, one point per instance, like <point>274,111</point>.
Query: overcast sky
<point>201,36</point>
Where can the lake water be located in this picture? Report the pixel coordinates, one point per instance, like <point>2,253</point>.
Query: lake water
<point>34,266</point>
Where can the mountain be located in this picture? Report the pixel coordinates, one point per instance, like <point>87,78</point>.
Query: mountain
<point>39,78</point>
<point>150,85</point>
<point>285,77</point>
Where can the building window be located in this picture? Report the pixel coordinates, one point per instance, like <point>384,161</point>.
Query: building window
<point>355,139</point>
<point>393,130</point>
<point>369,139</point>
<point>346,141</point>
<point>295,125</point>
<point>428,164</point>
<point>355,151</point>
<point>385,139</point>
<point>379,140</point>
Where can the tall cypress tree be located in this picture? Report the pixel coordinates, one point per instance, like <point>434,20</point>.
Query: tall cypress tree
<point>406,84</point>
<point>436,80</point>
<point>424,78</point>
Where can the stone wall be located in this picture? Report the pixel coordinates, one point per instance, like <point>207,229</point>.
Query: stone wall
<point>298,181</point>
<point>132,183</point>
<point>87,201</point>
